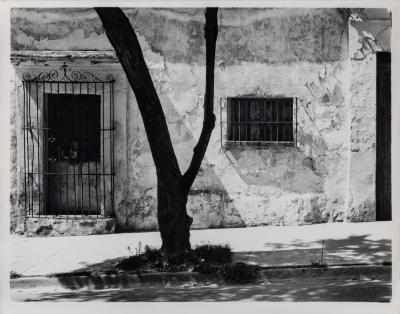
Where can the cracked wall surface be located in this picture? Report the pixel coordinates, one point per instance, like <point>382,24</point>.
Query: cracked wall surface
<point>303,53</point>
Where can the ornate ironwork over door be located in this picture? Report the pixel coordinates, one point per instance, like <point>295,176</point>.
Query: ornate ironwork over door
<point>68,123</point>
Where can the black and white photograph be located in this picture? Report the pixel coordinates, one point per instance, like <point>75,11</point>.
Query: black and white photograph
<point>200,154</point>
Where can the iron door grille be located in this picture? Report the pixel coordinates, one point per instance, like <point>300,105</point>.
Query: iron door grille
<point>68,130</point>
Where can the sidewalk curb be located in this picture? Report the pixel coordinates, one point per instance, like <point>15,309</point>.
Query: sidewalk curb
<point>128,280</point>
<point>353,271</point>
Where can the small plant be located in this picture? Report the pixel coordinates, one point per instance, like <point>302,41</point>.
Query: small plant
<point>139,248</point>
<point>322,253</point>
<point>141,258</point>
<point>152,258</point>
<point>182,260</point>
<point>218,254</point>
<point>152,255</point>
<point>240,272</point>
<point>14,275</point>
<point>132,262</point>
<point>320,262</point>
<point>317,264</point>
<point>206,259</point>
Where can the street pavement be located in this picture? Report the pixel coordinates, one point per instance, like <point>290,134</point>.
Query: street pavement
<point>321,288</point>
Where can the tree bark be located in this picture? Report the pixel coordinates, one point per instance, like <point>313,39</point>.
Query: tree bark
<point>173,220</point>
<point>172,187</point>
<point>210,34</point>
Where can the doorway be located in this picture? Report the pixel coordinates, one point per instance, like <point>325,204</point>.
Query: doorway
<point>383,137</point>
<point>73,154</point>
<point>68,138</point>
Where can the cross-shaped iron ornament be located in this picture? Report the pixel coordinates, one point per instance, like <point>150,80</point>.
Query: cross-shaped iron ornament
<point>65,68</point>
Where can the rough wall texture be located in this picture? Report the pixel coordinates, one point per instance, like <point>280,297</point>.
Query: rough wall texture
<point>53,227</point>
<point>264,35</point>
<point>15,216</point>
<point>361,193</point>
<point>366,37</point>
<point>288,52</point>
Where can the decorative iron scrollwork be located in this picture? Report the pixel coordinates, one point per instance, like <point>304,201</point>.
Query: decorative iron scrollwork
<point>69,75</point>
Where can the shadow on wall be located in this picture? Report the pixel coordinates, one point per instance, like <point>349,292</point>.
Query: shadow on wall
<point>209,202</point>
<point>209,209</point>
<point>286,168</point>
<point>212,202</point>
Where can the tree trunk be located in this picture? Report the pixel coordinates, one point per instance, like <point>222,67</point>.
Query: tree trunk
<point>172,187</point>
<point>173,220</point>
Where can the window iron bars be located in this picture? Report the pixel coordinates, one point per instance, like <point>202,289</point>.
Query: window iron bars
<point>261,121</point>
<point>55,184</point>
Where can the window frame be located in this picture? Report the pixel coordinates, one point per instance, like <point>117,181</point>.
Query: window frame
<point>263,142</point>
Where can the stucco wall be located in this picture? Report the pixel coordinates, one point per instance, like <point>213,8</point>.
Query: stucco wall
<point>301,53</point>
<point>369,33</point>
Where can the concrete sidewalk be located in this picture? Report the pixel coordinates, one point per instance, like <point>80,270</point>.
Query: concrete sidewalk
<point>344,243</point>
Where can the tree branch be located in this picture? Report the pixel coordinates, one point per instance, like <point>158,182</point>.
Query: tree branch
<point>210,34</point>
<point>126,45</point>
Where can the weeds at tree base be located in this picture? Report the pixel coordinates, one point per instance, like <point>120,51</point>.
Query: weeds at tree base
<point>14,275</point>
<point>220,254</point>
<point>132,262</point>
<point>240,272</point>
<point>206,259</point>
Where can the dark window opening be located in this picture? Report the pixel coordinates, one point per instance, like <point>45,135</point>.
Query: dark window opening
<point>260,120</point>
<point>74,127</point>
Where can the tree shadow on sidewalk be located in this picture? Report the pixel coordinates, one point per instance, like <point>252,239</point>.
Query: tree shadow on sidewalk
<point>356,249</point>
<point>311,290</point>
<point>352,250</point>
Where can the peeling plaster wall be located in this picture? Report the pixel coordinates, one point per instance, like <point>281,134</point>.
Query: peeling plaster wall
<point>361,169</point>
<point>16,217</point>
<point>300,53</point>
<point>264,35</point>
<point>367,35</point>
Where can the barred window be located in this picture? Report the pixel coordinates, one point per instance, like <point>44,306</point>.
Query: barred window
<point>261,120</point>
